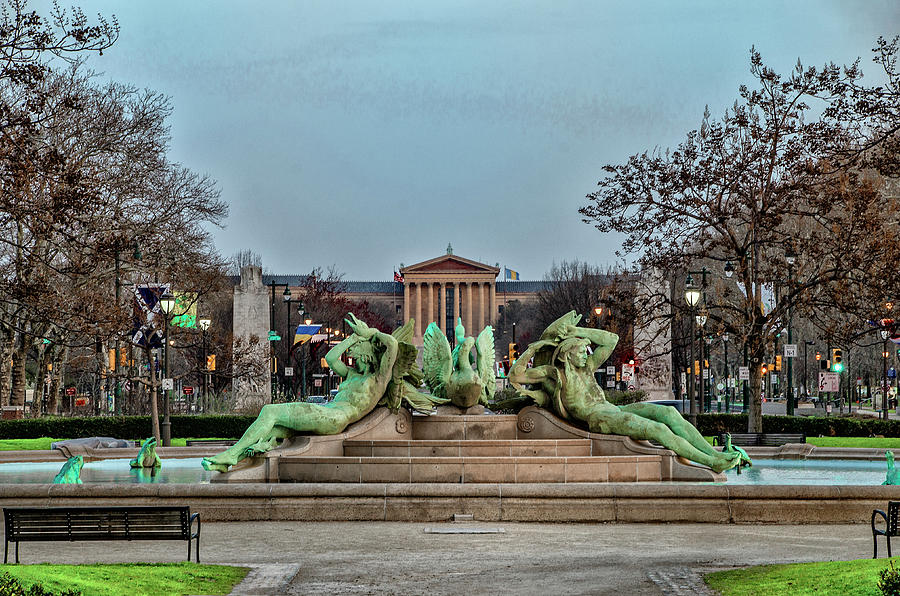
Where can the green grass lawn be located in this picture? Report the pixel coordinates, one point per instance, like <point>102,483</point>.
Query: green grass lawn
<point>874,442</point>
<point>847,578</point>
<point>131,578</point>
<point>25,444</point>
<point>871,442</point>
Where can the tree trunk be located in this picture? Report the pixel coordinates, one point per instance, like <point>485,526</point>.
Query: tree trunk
<point>17,397</point>
<point>40,382</point>
<point>756,357</point>
<point>6,352</point>
<point>57,380</point>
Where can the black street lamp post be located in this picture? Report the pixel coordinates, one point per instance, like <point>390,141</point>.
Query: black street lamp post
<point>727,372</point>
<point>204,323</point>
<point>885,404</point>
<point>167,305</point>
<point>790,257</point>
<point>692,297</point>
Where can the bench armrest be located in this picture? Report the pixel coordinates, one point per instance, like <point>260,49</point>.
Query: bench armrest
<point>196,516</point>
<point>877,512</point>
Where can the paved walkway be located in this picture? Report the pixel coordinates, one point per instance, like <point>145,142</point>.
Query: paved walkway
<point>525,558</point>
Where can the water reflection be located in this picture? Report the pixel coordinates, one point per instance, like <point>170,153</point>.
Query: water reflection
<point>811,472</point>
<point>173,471</point>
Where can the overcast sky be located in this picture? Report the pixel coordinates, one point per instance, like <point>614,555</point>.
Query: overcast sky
<point>372,133</point>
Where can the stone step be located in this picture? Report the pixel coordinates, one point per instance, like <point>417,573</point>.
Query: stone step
<point>632,468</point>
<point>475,448</point>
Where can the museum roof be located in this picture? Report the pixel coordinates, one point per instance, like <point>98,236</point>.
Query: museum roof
<point>389,287</point>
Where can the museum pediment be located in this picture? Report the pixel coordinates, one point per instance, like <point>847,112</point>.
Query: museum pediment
<point>449,264</point>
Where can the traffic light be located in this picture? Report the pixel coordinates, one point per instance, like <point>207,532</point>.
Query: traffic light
<point>823,364</point>
<point>818,356</point>
<point>778,363</point>
<point>764,370</point>
<point>837,358</point>
<point>513,352</point>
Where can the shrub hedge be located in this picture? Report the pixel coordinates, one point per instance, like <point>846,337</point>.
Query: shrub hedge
<point>138,427</point>
<point>811,426</point>
<point>123,427</point>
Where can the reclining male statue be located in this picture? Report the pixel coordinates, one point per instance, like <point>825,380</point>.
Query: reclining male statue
<point>563,379</point>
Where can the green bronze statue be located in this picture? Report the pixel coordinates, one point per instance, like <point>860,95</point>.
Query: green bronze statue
<point>451,375</point>
<point>147,457</point>
<point>893,474</point>
<point>70,473</point>
<point>562,378</point>
<point>383,372</point>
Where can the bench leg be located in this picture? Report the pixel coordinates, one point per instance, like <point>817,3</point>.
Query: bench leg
<point>5,552</point>
<point>888,537</point>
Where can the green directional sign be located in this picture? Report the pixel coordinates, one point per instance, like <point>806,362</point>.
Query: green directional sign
<point>273,336</point>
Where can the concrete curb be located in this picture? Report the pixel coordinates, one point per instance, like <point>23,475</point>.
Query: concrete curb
<point>577,502</point>
<point>271,579</point>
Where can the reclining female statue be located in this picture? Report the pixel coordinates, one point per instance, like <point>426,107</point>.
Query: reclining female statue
<point>562,378</point>
<point>365,384</point>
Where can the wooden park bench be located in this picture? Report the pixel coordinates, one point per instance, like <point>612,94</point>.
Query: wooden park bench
<point>890,525</point>
<point>99,523</point>
<point>762,439</point>
<point>210,442</point>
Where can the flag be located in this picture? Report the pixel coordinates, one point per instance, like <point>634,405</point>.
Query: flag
<point>398,277</point>
<point>305,333</point>
<point>513,275</point>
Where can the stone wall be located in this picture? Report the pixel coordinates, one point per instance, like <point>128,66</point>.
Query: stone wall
<point>252,381</point>
<point>653,336</point>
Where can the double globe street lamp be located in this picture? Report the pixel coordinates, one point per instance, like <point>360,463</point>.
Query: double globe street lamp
<point>167,306</point>
<point>692,297</point>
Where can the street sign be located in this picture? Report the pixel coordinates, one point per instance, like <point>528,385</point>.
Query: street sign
<point>829,381</point>
<point>720,386</point>
<point>683,380</point>
<point>705,373</point>
<point>273,336</point>
<point>744,373</point>
<point>168,384</point>
<point>187,390</point>
<point>317,382</point>
<point>289,371</point>
<point>790,350</point>
<point>610,370</point>
<point>892,373</point>
<point>610,383</point>
<point>81,401</point>
<point>859,381</point>
<point>627,372</point>
<point>70,391</point>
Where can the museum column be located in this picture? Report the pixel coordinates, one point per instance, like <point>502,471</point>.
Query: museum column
<point>492,289</point>
<point>481,291</point>
<point>470,324</point>
<point>406,305</point>
<point>429,304</point>
<point>442,307</point>
<point>456,297</point>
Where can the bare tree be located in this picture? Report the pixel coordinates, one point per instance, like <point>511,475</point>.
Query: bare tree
<point>769,180</point>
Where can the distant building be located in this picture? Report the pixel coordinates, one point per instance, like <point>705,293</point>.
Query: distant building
<point>443,289</point>
<point>440,290</point>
